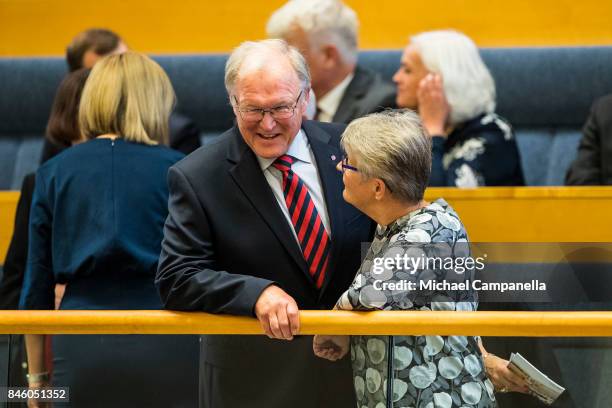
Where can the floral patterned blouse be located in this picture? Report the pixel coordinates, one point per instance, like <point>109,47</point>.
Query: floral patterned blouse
<point>479,152</point>
<point>426,371</point>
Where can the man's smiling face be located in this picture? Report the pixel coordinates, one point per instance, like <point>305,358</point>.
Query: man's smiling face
<point>268,88</point>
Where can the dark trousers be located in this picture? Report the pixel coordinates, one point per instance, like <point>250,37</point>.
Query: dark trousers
<point>254,371</point>
<point>127,370</point>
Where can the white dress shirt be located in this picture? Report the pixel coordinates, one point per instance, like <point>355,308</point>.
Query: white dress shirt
<point>328,105</point>
<point>306,169</point>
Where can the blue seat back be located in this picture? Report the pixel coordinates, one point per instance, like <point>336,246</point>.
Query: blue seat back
<point>544,92</point>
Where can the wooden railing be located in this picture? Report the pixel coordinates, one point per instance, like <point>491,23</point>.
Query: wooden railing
<point>532,214</point>
<point>526,324</point>
<point>8,205</point>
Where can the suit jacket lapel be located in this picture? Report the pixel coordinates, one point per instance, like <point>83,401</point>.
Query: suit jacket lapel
<point>327,157</point>
<point>355,91</point>
<point>248,175</point>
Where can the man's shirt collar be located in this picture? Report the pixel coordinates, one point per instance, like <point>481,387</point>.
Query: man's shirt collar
<point>298,149</point>
<point>330,102</point>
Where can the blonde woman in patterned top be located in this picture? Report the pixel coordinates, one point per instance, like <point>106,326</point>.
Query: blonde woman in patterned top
<point>386,171</point>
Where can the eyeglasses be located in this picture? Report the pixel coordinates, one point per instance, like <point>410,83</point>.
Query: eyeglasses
<point>277,113</point>
<point>345,166</point>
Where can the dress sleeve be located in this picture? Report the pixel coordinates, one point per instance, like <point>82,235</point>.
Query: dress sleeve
<point>486,159</point>
<point>372,287</point>
<point>39,282</point>
<point>400,276</point>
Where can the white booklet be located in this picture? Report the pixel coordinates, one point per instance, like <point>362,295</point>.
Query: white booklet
<point>542,387</point>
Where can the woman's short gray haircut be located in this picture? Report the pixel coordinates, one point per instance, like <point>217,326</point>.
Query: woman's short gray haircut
<point>324,21</point>
<point>392,145</point>
<point>468,84</point>
<point>259,55</point>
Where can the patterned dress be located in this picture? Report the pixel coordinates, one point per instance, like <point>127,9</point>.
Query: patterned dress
<point>479,152</point>
<point>425,371</point>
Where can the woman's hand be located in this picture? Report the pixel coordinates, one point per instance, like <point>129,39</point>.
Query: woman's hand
<point>501,376</point>
<point>433,106</point>
<point>330,347</point>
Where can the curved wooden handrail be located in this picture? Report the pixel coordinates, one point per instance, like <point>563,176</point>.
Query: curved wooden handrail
<point>523,324</point>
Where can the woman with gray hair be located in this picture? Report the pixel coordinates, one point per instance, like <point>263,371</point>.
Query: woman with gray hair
<point>443,77</point>
<point>385,174</point>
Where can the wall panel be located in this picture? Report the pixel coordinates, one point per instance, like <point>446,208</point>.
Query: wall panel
<point>44,27</point>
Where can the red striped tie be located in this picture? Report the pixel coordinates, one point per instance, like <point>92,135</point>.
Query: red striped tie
<point>306,221</point>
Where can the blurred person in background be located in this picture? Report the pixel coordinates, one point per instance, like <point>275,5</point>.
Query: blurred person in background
<point>325,32</point>
<point>62,129</point>
<point>85,49</point>
<point>443,77</point>
<point>96,222</point>
<point>593,165</point>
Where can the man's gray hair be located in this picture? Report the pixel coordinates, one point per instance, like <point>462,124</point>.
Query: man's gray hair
<point>252,56</point>
<point>468,84</point>
<point>324,22</point>
<point>392,145</point>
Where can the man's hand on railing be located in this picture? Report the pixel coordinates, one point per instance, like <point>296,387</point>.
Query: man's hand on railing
<point>331,347</point>
<point>278,313</point>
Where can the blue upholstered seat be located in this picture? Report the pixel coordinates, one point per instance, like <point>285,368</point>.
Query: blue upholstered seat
<point>544,92</point>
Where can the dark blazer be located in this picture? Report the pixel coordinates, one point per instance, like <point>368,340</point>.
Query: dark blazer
<point>17,254</point>
<point>366,93</point>
<point>184,134</point>
<point>226,240</point>
<point>103,241</point>
<point>593,165</point>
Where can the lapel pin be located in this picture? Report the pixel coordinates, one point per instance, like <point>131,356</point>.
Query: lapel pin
<point>333,157</point>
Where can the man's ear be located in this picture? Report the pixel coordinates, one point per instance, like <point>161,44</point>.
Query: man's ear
<point>331,55</point>
<point>307,92</point>
<point>304,107</point>
<point>233,103</point>
<point>90,58</point>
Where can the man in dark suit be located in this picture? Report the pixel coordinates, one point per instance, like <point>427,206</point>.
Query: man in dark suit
<point>325,32</point>
<point>257,227</point>
<point>593,165</point>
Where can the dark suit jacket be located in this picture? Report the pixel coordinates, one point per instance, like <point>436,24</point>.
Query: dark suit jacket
<point>366,93</point>
<point>184,134</point>
<point>226,240</point>
<point>593,165</point>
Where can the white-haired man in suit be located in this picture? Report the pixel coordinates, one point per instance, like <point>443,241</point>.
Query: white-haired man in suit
<point>325,32</point>
<point>257,226</point>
